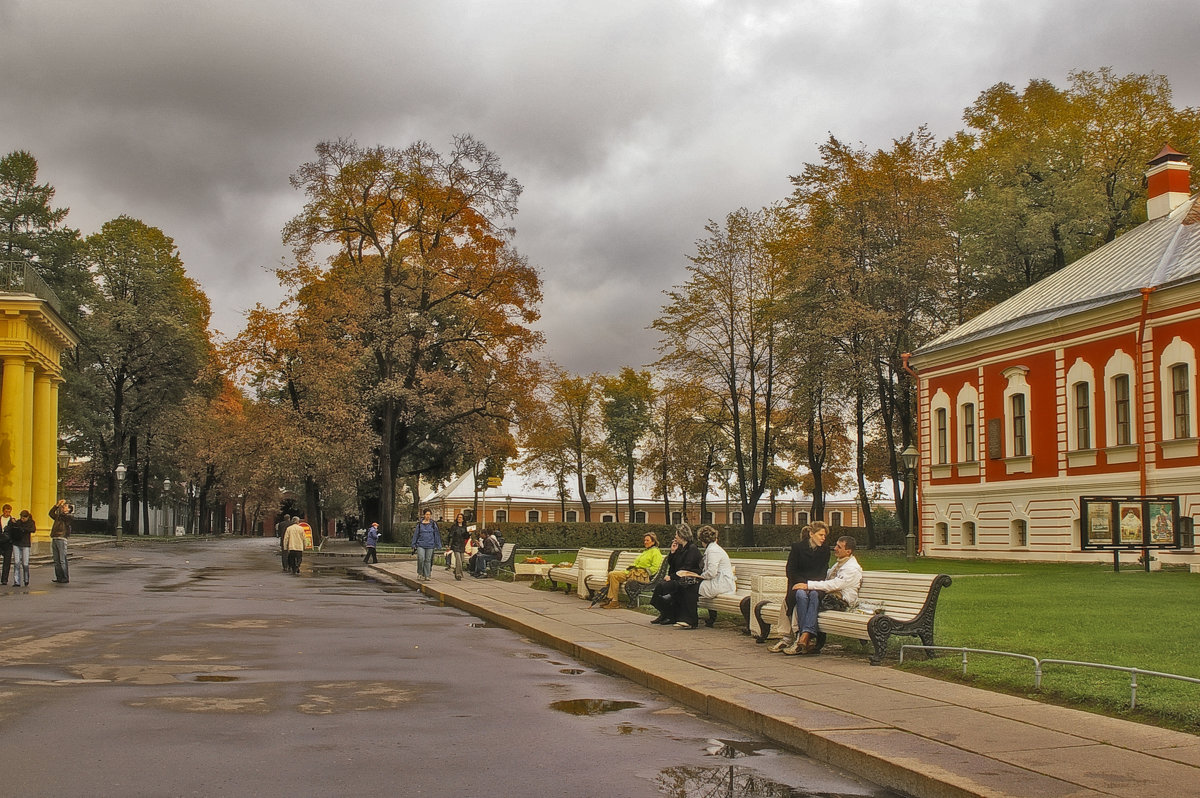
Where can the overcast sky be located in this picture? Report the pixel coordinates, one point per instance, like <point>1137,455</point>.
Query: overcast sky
<point>630,123</point>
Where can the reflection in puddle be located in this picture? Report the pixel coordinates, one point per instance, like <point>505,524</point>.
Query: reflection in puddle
<point>732,749</point>
<point>532,655</point>
<point>684,782</point>
<point>592,706</point>
<point>571,671</point>
<point>208,677</point>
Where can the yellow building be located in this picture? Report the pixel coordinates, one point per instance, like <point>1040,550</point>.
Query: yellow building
<point>33,336</point>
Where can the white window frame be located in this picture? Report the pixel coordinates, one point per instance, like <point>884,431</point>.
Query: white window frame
<point>1017,385</point>
<point>1080,373</point>
<point>1119,365</point>
<point>533,516</point>
<point>967,396</point>
<point>1176,353</point>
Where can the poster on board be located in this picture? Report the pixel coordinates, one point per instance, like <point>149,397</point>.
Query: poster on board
<point>1099,524</point>
<point>1162,523</point>
<point>1130,514</point>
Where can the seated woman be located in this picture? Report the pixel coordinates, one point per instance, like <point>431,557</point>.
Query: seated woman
<point>717,576</point>
<point>643,569</point>
<point>675,597</point>
<point>838,590</point>
<point>807,561</point>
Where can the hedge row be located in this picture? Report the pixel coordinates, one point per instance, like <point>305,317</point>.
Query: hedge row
<point>550,535</point>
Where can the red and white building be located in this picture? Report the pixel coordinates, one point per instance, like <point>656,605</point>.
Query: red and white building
<point>1082,384</point>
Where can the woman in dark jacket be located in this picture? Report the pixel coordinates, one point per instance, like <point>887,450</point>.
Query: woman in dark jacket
<point>21,531</point>
<point>675,597</point>
<point>459,535</point>
<point>807,561</point>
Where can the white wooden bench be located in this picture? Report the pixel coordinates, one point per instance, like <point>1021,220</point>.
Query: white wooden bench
<point>594,581</point>
<point>891,602</point>
<point>738,601</point>
<point>588,561</point>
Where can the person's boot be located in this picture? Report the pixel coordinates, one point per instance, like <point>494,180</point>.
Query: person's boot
<point>800,646</point>
<point>782,643</point>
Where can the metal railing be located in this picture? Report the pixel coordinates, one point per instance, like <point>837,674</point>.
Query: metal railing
<point>1038,663</point>
<point>19,277</point>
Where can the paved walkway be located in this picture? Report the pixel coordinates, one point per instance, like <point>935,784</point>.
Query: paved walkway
<point>907,732</point>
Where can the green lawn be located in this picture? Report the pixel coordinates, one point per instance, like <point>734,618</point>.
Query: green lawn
<point>1083,612</point>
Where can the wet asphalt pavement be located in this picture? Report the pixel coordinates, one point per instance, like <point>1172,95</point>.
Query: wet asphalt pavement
<point>201,669</point>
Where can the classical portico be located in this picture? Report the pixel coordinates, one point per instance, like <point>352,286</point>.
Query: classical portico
<point>32,338</point>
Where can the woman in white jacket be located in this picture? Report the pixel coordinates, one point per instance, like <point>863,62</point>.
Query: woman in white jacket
<point>717,577</point>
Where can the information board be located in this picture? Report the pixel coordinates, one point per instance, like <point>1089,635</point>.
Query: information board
<point>1129,522</point>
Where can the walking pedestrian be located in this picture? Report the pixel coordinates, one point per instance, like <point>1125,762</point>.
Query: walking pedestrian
<point>371,542</point>
<point>427,539</point>
<point>21,532</point>
<point>6,547</point>
<point>293,544</point>
<point>63,515</point>
<point>459,537</point>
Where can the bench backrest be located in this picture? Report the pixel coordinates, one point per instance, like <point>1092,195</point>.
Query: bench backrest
<point>507,551</point>
<point>624,560</point>
<point>745,570</point>
<point>594,554</point>
<point>901,594</point>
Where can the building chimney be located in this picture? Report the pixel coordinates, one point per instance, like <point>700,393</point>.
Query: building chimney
<point>1167,185</point>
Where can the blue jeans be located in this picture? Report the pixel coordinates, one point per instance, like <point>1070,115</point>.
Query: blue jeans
<point>20,565</point>
<point>481,563</point>
<point>808,602</point>
<point>424,561</point>
<point>60,559</point>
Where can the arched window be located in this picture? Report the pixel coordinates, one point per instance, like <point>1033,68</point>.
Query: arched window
<point>1119,420</point>
<point>802,518</point>
<point>533,516</point>
<point>1178,405</point>
<point>939,414</point>
<point>941,531</point>
<point>737,517</point>
<point>571,517</point>
<point>1016,412</point>
<point>967,448</point>
<point>705,518</point>
<point>1080,379</point>
<point>967,533</point>
<point>767,518</point>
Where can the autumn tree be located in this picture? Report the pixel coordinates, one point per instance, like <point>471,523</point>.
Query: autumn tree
<point>625,407</point>
<point>440,302</point>
<point>1046,175</point>
<point>144,343</point>
<point>719,331</point>
<point>876,254</point>
<point>565,423</point>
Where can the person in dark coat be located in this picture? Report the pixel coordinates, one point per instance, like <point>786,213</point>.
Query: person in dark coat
<point>676,596</point>
<point>64,516</point>
<point>6,547</point>
<point>459,535</point>
<point>21,531</point>
<point>808,561</point>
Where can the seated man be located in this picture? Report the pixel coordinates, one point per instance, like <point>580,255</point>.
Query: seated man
<point>838,590</point>
<point>644,568</point>
<point>489,551</point>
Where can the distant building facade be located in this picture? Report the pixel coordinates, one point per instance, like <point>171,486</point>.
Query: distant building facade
<point>1083,384</point>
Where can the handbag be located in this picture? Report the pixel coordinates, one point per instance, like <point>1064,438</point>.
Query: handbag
<point>832,601</point>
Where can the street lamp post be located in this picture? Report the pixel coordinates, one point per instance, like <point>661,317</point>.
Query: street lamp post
<point>120,483</point>
<point>910,456</point>
<point>727,474</point>
<point>166,503</point>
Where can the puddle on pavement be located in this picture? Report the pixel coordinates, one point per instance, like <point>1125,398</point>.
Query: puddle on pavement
<point>208,677</point>
<point>732,749</point>
<point>484,625</point>
<point>191,580</point>
<point>684,782</point>
<point>531,655</point>
<point>572,671</point>
<point>592,706</point>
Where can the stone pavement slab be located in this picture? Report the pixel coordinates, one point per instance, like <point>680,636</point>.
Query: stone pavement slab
<point>917,735</point>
